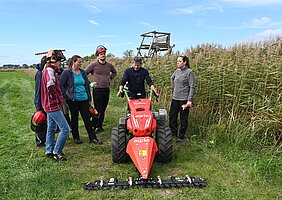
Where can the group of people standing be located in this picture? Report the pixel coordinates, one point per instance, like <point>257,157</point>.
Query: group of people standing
<point>73,88</point>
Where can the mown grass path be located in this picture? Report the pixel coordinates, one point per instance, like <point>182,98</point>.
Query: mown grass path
<point>25,172</point>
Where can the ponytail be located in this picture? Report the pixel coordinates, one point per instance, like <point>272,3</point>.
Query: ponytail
<point>186,59</point>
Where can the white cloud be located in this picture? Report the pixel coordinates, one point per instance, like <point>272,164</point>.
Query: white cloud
<point>270,33</point>
<point>95,9</point>
<point>92,22</point>
<point>245,3</point>
<point>263,22</point>
<point>196,9</point>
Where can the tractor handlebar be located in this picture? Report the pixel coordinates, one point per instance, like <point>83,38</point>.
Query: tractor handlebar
<point>151,93</point>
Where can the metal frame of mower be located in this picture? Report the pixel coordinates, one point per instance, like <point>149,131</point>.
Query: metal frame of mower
<point>141,136</point>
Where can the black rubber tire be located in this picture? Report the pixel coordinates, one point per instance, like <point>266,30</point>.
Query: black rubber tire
<point>119,144</point>
<point>164,142</point>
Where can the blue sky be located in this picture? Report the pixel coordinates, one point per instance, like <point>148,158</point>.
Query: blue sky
<point>79,26</point>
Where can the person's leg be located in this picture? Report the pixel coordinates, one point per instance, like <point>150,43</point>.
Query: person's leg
<point>40,138</point>
<point>173,115</point>
<point>97,104</point>
<point>105,96</point>
<point>50,135</point>
<point>65,109</point>
<point>74,109</point>
<point>84,111</point>
<point>183,121</point>
<point>60,120</point>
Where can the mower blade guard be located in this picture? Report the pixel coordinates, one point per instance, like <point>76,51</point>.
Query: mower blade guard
<point>142,151</point>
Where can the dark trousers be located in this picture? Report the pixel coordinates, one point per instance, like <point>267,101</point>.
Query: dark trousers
<point>176,108</point>
<point>101,98</point>
<point>40,138</point>
<point>82,107</point>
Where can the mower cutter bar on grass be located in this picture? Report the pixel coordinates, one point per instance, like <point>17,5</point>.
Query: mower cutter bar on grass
<point>174,182</point>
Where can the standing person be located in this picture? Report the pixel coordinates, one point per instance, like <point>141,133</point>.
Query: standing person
<point>76,90</point>
<point>184,87</point>
<point>52,98</point>
<point>64,107</point>
<point>136,76</point>
<point>102,73</point>
<point>40,137</point>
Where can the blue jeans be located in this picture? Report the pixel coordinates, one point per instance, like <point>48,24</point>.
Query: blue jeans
<point>53,119</point>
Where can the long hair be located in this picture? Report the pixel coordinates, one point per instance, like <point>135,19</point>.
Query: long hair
<point>185,59</point>
<point>74,59</point>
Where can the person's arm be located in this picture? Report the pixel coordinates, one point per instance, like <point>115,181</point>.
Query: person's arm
<point>87,85</point>
<point>172,78</point>
<point>37,95</point>
<point>150,82</point>
<point>148,78</point>
<point>63,83</point>
<point>51,91</point>
<point>123,81</point>
<point>155,90</point>
<point>192,90</point>
<point>89,68</point>
<point>113,72</point>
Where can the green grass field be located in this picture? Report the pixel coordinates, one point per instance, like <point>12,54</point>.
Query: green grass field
<point>25,172</point>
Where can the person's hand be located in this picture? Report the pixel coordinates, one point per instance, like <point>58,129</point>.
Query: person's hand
<point>119,93</point>
<point>93,84</point>
<point>156,92</point>
<point>187,105</point>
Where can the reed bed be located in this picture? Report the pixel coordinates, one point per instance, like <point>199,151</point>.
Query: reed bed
<point>239,89</point>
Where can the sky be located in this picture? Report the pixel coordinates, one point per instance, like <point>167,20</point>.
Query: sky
<point>79,26</point>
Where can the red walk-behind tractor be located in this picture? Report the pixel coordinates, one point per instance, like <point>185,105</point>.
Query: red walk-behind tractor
<point>141,136</point>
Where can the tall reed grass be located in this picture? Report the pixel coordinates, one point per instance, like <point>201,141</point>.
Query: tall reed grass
<point>239,89</point>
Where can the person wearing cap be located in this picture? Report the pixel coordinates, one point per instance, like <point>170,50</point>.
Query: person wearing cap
<point>136,76</point>
<point>102,73</point>
<point>51,99</point>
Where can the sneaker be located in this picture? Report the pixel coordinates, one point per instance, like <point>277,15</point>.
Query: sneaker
<point>78,141</point>
<point>99,129</point>
<point>59,157</point>
<point>49,155</point>
<point>96,141</point>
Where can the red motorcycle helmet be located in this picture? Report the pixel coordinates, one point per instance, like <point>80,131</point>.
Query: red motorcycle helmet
<point>38,122</point>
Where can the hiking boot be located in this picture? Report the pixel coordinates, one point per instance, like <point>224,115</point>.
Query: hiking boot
<point>49,155</point>
<point>78,141</point>
<point>59,157</point>
<point>96,141</point>
<point>99,129</point>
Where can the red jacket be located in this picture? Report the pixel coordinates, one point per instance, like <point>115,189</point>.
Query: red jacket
<point>51,95</point>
